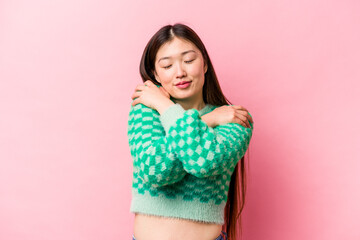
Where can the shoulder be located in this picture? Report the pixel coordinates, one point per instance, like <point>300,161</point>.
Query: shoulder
<point>143,110</point>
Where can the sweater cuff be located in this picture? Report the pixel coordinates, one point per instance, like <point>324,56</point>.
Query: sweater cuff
<point>171,115</point>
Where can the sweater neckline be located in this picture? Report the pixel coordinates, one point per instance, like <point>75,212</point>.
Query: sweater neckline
<point>205,109</point>
<point>202,111</point>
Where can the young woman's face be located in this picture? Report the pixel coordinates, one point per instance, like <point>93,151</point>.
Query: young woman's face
<point>177,61</point>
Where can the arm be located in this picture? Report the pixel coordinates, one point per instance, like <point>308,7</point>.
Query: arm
<point>204,151</point>
<point>154,160</point>
<point>209,121</point>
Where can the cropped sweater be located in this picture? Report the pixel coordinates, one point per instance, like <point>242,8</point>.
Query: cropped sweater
<point>181,167</point>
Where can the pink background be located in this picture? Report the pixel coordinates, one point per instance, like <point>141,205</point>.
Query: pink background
<point>67,73</point>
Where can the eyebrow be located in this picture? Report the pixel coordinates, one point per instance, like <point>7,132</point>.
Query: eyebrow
<point>183,53</point>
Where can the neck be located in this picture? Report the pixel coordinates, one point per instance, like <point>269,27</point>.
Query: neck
<point>190,103</point>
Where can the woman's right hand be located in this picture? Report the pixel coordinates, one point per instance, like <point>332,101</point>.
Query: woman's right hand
<point>228,114</point>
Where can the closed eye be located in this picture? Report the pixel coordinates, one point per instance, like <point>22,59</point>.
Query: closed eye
<point>166,67</point>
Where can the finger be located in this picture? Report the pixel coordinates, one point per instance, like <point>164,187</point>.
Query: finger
<point>239,107</point>
<point>246,113</point>
<point>242,122</point>
<point>136,101</point>
<point>242,118</point>
<point>135,95</point>
<point>148,83</point>
<point>140,88</point>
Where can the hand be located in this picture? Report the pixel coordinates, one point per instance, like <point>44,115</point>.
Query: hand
<point>228,114</point>
<point>151,95</point>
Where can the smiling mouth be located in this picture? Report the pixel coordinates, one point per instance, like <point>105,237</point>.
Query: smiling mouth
<point>183,83</point>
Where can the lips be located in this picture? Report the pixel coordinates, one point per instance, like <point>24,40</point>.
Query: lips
<point>181,83</point>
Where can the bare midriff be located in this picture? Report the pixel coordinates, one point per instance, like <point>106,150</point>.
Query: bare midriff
<point>149,227</point>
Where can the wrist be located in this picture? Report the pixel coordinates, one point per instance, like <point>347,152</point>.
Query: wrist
<point>208,120</point>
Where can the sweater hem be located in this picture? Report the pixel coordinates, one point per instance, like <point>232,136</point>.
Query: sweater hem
<point>177,208</point>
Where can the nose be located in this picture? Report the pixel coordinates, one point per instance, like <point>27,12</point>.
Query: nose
<point>180,71</point>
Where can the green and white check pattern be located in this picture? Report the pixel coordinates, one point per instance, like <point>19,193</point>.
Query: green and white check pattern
<point>181,163</point>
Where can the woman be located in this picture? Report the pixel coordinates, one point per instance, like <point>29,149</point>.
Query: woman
<point>185,141</point>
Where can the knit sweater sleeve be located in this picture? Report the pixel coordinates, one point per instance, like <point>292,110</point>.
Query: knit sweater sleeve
<point>203,150</point>
<point>154,160</point>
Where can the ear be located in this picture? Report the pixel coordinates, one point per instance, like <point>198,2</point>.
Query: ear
<point>156,76</point>
<point>205,68</point>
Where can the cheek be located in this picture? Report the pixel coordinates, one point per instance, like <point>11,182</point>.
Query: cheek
<point>164,76</point>
<point>197,69</point>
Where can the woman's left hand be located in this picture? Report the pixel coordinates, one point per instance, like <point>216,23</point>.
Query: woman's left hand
<point>150,95</point>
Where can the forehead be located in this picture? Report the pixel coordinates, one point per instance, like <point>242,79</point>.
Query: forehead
<point>175,47</point>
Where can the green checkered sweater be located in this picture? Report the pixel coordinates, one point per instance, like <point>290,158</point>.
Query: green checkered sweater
<point>181,167</point>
